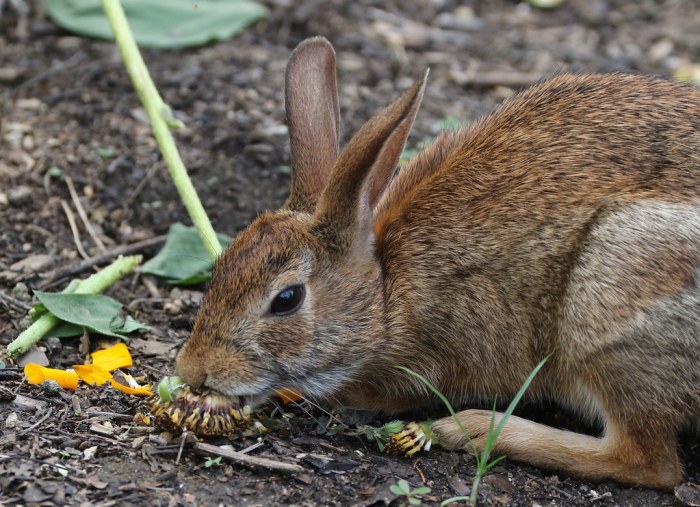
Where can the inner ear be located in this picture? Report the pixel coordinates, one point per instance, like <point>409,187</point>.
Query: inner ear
<point>387,162</point>
<point>364,169</point>
<point>313,119</point>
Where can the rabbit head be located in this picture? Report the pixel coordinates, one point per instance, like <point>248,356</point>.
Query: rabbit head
<point>297,299</point>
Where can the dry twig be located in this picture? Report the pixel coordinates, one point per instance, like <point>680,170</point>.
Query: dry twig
<point>84,265</point>
<point>74,229</point>
<point>278,466</point>
<point>83,215</point>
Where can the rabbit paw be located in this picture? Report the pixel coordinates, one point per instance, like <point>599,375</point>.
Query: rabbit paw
<point>475,423</point>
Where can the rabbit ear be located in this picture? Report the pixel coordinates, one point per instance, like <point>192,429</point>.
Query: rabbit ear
<point>313,117</point>
<point>364,169</point>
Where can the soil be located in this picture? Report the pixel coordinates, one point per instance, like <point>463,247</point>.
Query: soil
<point>67,103</point>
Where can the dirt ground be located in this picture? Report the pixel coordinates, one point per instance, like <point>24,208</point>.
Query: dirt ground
<point>68,104</point>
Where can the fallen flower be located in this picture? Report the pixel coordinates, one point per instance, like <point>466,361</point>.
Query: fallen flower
<point>37,374</point>
<point>412,438</point>
<point>96,374</point>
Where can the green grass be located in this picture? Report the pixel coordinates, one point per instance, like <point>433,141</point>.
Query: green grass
<point>484,463</point>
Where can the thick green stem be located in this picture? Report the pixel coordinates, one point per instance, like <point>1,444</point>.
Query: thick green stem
<point>92,285</point>
<point>161,119</point>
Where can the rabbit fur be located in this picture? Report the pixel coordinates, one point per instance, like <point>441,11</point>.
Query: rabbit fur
<point>566,222</point>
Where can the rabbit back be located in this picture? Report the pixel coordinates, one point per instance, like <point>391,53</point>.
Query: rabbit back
<point>560,223</point>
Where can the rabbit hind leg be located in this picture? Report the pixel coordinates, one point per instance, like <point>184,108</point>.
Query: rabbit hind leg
<point>616,456</point>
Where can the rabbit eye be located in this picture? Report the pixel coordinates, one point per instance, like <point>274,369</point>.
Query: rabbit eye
<point>288,300</point>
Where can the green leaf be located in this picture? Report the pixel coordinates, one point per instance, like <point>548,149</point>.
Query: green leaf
<point>130,325</point>
<point>105,152</point>
<point>183,259</point>
<point>401,488</point>
<point>95,312</point>
<point>493,434</point>
<point>392,427</point>
<point>161,23</point>
<point>210,462</point>
<point>66,329</point>
<point>398,489</point>
<point>414,501</point>
<point>422,490</point>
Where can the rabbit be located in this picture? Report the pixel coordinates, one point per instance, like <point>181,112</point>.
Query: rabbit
<point>565,223</point>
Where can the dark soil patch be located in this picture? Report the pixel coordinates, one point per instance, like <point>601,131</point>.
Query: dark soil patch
<point>67,103</point>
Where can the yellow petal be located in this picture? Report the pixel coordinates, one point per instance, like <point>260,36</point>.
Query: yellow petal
<point>145,390</point>
<point>92,374</point>
<point>112,358</point>
<point>289,395</point>
<point>36,374</point>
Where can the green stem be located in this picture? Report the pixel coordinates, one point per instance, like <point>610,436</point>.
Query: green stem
<point>92,285</point>
<point>474,494</point>
<point>161,119</point>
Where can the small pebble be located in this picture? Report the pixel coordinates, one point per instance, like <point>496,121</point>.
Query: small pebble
<point>51,387</point>
<point>174,307</point>
<point>21,292</point>
<point>53,343</point>
<point>11,420</point>
<point>19,195</point>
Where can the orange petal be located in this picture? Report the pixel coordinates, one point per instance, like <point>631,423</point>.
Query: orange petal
<point>92,374</point>
<point>36,374</point>
<point>289,395</point>
<point>112,358</point>
<point>145,390</point>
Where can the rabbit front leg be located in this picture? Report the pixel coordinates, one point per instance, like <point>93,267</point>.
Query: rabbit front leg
<point>615,456</point>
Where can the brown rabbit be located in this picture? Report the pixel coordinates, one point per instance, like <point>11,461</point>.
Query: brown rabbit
<point>567,222</point>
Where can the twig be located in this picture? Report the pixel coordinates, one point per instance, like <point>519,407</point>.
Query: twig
<point>84,265</point>
<point>270,464</point>
<point>183,439</point>
<point>419,471</point>
<point>74,229</point>
<point>70,62</point>
<point>142,184</point>
<point>14,302</point>
<point>83,215</point>
<point>251,448</point>
<point>38,423</point>
<point>8,457</point>
<point>111,415</point>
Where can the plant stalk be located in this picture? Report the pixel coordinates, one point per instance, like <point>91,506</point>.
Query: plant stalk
<point>474,494</point>
<point>92,285</point>
<point>162,120</point>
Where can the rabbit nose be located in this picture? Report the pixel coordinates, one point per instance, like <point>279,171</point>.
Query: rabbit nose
<point>190,371</point>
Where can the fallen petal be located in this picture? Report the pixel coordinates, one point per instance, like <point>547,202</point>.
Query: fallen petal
<point>114,357</point>
<point>93,374</point>
<point>289,395</point>
<point>144,390</point>
<point>36,374</point>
